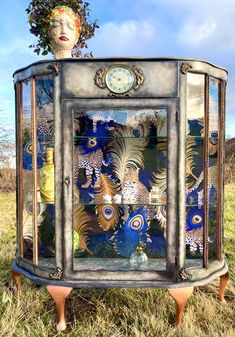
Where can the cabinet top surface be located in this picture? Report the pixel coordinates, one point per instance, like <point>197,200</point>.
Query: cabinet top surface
<point>117,59</point>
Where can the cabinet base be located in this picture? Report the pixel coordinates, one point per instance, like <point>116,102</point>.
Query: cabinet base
<point>59,293</point>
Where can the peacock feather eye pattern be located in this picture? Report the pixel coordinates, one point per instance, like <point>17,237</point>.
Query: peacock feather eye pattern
<point>92,142</point>
<point>136,223</point>
<point>194,218</point>
<point>108,212</point>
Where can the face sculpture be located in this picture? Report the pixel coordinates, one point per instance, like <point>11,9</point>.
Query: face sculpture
<point>64,31</point>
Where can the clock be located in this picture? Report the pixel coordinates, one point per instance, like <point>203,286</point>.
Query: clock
<point>120,79</point>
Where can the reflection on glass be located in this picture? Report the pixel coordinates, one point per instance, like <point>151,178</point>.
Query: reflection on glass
<point>194,201</point>
<point>45,165</point>
<point>212,231</point>
<point>195,103</point>
<point>120,162</point>
<point>108,123</point>
<point>27,178</point>
<point>213,163</point>
<point>194,168</point>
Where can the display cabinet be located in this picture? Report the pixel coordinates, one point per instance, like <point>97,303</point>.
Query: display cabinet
<point>120,174</point>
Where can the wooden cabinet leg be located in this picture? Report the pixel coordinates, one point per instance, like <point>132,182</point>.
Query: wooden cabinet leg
<point>223,284</point>
<point>181,296</point>
<point>17,280</point>
<point>59,294</point>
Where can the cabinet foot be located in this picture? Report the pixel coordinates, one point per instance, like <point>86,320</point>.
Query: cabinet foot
<point>223,284</point>
<point>17,280</point>
<point>59,295</point>
<point>181,296</point>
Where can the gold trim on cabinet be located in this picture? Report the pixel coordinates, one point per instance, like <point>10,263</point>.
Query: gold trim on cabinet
<point>185,67</point>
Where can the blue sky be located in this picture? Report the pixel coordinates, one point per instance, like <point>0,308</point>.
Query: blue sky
<point>202,29</point>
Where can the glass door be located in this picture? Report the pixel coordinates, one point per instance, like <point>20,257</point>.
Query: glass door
<point>120,168</point>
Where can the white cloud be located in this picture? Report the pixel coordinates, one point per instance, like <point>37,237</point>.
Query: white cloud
<point>201,23</point>
<point>195,33</point>
<point>125,38</point>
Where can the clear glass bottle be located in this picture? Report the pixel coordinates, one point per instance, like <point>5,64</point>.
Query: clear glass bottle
<point>139,259</point>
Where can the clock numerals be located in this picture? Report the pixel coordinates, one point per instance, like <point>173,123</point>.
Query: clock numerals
<point>120,79</point>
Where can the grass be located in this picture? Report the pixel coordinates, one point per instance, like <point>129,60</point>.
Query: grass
<point>113,312</point>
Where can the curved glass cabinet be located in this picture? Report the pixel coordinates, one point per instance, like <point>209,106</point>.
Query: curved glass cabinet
<point>117,154</point>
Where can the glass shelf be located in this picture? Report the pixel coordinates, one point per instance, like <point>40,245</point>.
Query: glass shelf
<point>199,206</point>
<point>116,137</point>
<point>201,137</point>
<point>121,204</point>
<point>115,264</point>
<point>195,137</point>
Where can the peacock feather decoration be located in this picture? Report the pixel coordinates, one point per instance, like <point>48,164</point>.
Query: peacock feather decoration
<point>127,151</point>
<point>108,214</point>
<point>126,238</point>
<point>82,226</point>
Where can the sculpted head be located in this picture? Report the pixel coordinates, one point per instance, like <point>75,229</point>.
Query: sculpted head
<point>64,31</point>
<point>61,27</point>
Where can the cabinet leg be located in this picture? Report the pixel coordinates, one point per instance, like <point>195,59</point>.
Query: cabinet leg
<point>223,284</point>
<point>17,280</point>
<point>59,295</point>
<point>181,296</point>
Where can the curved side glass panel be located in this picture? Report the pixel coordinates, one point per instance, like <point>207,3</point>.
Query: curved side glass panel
<point>27,173</point>
<point>120,182</point>
<point>45,169</point>
<point>213,165</point>
<point>195,168</point>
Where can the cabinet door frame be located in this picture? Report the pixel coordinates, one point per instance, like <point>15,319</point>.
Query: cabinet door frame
<point>68,105</point>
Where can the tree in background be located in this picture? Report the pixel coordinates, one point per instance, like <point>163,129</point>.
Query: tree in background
<point>7,158</point>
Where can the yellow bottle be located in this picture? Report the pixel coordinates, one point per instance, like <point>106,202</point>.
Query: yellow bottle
<point>46,182</point>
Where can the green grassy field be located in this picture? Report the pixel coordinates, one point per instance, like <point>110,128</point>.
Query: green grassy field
<point>113,312</point>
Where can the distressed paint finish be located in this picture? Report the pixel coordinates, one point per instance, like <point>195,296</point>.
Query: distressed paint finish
<point>58,172</point>
<point>160,79</point>
<point>75,88</point>
<point>182,165</point>
<point>200,278</point>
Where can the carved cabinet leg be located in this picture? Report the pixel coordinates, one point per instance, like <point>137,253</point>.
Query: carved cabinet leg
<point>181,296</point>
<point>223,284</point>
<point>17,280</point>
<point>59,294</point>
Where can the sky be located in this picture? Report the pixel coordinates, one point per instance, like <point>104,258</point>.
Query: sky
<point>202,29</point>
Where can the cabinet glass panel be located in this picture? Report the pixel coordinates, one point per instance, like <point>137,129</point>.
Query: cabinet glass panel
<point>45,165</point>
<point>120,182</point>
<point>194,201</point>
<point>194,168</point>
<point>213,164</point>
<point>195,104</point>
<point>27,174</point>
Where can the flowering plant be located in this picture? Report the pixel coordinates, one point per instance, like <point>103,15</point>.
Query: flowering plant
<point>39,14</point>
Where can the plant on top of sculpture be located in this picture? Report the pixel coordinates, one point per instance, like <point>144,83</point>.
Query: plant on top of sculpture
<point>40,17</point>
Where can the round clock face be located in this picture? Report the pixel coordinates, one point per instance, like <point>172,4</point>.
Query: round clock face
<point>119,79</point>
